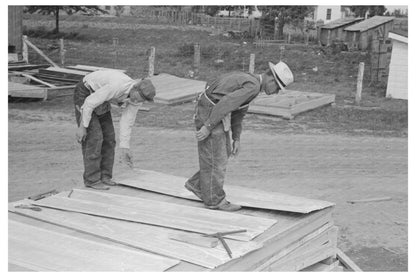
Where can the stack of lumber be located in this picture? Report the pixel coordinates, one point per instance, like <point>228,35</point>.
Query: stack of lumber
<point>151,223</point>
<point>289,103</point>
<point>174,90</point>
<point>44,81</point>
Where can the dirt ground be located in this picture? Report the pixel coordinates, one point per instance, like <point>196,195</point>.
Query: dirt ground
<point>44,155</point>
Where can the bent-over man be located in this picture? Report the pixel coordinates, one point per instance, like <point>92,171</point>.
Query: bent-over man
<point>219,111</point>
<point>93,97</point>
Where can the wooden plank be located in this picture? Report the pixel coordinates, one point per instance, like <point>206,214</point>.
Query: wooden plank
<point>172,90</point>
<point>43,250</point>
<point>150,215</point>
<point>237,221</point>
<point>32,78</point>
<point>173,185</point>
<point>26,41</point>
<point>196,240</point>
<point>278,238</point>
<point>312,251</point>
<point>27,66</point>
<point>293,248</point>
<point>290,103</point>
<point>92,68</point>
<point>21,90</point>
<point>366,200</point>
<point>65,71</point>
<point>322,267</point>
<point>151,238</point>
<point>347,262</point>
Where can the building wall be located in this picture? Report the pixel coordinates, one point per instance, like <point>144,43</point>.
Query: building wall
<point>397,81</point>
<point>15,18</point>
<point>321,13</point>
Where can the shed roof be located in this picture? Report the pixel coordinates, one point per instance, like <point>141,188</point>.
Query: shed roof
<point>369,23</point>
<point>341,22</point>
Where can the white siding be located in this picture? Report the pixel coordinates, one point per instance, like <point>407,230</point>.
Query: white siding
<point>397,81</point>
<point>321,13</point>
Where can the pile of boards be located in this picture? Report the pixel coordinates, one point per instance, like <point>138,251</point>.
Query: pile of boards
<point>44,81</point>
<point>152,223</point>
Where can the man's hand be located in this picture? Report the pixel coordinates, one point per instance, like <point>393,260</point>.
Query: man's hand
<point>202,134</point>
<point>236,148</point>
<point>126,157</point>
<point>81,133</point>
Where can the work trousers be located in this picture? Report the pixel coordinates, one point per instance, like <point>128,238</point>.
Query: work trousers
<point>213,153</point>
<point>98,148</point>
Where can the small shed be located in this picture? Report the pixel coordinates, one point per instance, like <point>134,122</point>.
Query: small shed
<point>398,69</point>
<point>15,30</point>
<point>361,34</point>
<point>334,30</point>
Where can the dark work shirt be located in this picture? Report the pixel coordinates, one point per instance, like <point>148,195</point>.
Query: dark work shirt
<point>231,90</point>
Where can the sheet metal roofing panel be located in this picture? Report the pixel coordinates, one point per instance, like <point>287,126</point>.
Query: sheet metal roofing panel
<point>341,22</point>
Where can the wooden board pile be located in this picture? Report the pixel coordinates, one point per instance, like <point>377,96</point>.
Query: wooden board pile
<point>40,81</point>
<point>289,103</point>
<point>151,224</point>
<point>174,90</point>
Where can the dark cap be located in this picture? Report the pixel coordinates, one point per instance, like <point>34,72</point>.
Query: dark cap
<point>146,90</point>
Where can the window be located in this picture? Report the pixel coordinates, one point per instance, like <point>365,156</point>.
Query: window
<point>328,14</point>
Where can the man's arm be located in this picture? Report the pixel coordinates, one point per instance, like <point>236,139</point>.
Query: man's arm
<point>236,122</point>
<point>230,102</point>
<point>128,117</point>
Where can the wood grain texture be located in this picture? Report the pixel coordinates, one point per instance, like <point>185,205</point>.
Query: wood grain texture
<point>29,91</point>
<point>43,250</point>
<point>172,90</point>
<point>289,103</point>
<point>147,237</point>
<point>247,197</point>
<point>158,213</point>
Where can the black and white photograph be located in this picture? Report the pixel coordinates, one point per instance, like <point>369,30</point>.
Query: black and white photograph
<point>201,137</point>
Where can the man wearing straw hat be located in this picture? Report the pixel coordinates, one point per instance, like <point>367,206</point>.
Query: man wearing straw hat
<point>92,99</point>
<point>219,111</point>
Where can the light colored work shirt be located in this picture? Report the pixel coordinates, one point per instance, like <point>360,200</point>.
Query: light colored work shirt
<point>114,87</point>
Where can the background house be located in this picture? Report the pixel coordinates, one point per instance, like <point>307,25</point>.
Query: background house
<point>398,69</point>
<point>326,13</point>
<point>334,30</point>
<point>360,35</point>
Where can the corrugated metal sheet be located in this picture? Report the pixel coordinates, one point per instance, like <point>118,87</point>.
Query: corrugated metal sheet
<point>341,22</point>
<point>369,23</point>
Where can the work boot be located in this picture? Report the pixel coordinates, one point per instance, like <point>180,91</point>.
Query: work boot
<point>98,186</point>
<point>189,187</point>
<point>109,182</point>
<point>228,207</point>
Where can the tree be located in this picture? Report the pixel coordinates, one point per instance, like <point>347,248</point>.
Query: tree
<point>361,11</point>
<point>284,15</point>
<point>54,10</point>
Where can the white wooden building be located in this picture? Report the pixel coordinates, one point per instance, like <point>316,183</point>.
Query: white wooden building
<point>398,70</point>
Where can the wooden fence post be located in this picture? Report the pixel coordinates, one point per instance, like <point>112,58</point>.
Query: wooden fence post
<point>62,51</point>
<point>115,44</point>
<point>25,52</point>
<point>152,61</point>
<point>359,83</point>
<point>251,65</point>
<point>197,58</point>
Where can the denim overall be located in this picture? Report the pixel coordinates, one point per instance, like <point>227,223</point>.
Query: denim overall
<point>98,148</point>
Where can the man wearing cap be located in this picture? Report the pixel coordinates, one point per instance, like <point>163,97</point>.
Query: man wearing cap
<point>93,97</point>
<point>219,111</point>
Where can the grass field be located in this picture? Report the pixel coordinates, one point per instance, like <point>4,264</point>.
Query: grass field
<point>315,69</point>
